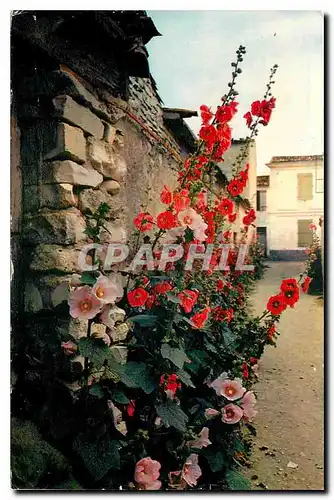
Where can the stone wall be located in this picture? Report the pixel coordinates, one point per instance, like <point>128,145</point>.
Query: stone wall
<point>80,148</point>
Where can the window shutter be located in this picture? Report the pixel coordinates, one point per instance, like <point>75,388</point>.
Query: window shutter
<point>305,187</point>
<point>304,233</point>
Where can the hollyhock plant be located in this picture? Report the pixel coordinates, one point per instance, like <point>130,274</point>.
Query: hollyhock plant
<point>276,304</point>
<point>231,414</point>
<point>83,304</point>
<point>144,222</point>
<point>202,441</point>
<point>157,391</point>
<point>107,291</point>
<point>247,403</point>
<point>137,297</point>
<point>147,473</point>
<point>191,471</point>
<point>199,319</point>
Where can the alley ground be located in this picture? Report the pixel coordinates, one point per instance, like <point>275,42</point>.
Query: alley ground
<point>290,418</point>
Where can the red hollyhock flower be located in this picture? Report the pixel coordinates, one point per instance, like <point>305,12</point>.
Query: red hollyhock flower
<point>245,371</point>
<point>206,114</point>
<point>266,109</point>
<point>162,288</point>
<point>235,187</point>
<point>253,361</point>
<point>188,299</point>
<point>289,284</point>
<point>166,220</point>
<point>166,195</point>
<point>225,207</point>
<point>256,108</point>
<point>249,218</point>
<point>131,408</point>
<point>144,222</point>
<point>150,301</point>
<point>306,283</point>
<point>227,235</point>
<point>170,383</point>
<point>199,319</point>
<point>276,304</point>
<point>291,297</point>
<point>224,135</point>
<point>181,200</point>
<point>137,297</point>
<point>232,217</point>
<point>248,117</point>
<point>208,134</point>
<point>226,112</point>
<point>243,178</point>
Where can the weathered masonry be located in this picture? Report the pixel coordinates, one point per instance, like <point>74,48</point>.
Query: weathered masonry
<point>88,126</point>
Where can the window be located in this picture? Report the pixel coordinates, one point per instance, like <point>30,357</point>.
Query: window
<point>304,233</point>
<point>305,187</point>
<point>261,201</point>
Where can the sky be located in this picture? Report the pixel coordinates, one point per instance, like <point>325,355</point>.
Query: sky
<point>191,64</point>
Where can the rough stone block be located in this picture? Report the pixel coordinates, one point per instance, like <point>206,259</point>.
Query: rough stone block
<point>76,327</point>
<point>49,258</point>
<point>70,144</point>
<point>39,290</point>
<point>68,172</point>
<point>106,160</point>
<point>109,133</point>
<point>112,187</point>
<point>64,227</point>
<point>114,232</point>
<point>90,200</point>
<point>49,196</point>
<point>69,110</point>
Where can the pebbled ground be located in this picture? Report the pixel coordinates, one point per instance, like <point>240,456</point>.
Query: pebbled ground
<point>290,420</point>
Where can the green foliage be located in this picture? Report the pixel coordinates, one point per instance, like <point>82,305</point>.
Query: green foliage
<point>99,454</point>
<point>137,375</point>
<point>32,458</point>
<point>237,481</point>
<point>175,355</point>
<point>172,415</point>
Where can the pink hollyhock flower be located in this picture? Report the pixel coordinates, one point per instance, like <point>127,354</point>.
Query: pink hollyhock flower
<point>232,389</point>
<point>106,290</point>
<point>83,304</point>
<point>247,403</point>
<point>313,227</point>
<point>69,347</point>
<point>231,414</point>
<point>147,472</point>
<point>191,471</point>
<point>190,218</point>
<point>202,441</point>
<point>211,413</point>
<point>199,232</point>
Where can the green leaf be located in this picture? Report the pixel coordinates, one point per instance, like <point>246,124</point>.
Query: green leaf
<point>88,278</point>
<point>174,354</point>
<point>237,481</point>
<point>144,319</point>
<point>173,298</point>
<point>198,359</point>
<point>172,415</point>
<point>137,375</point>
<point>95,350</point>
<point>216,459</point>
<point>185,378</point>
<point>229,337</point>
<point>99,455</point>
<point>96,390</point>
<point>119,397</point>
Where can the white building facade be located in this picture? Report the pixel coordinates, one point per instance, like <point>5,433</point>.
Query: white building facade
<point>295,199</point>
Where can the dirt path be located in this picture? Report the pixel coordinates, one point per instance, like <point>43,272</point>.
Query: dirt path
<point>290,393</point>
